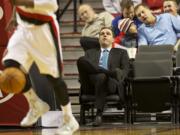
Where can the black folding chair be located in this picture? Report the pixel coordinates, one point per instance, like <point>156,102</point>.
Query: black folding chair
<point>87,104</point>
<point>152,88</point>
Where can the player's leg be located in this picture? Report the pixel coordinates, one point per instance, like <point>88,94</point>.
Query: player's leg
<point>70,124</point>
<point>36,106</point>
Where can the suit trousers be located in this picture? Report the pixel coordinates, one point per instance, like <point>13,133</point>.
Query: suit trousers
<point>95,81</point>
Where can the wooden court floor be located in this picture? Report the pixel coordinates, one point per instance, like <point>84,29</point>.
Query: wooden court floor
<point>142,129</point>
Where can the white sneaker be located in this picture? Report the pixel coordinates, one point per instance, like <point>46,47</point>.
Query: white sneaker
<point>68,128</point>
<point>48,131</point>
<point>37,110</point>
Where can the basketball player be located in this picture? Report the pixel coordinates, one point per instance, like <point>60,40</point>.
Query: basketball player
<point>36,39</point>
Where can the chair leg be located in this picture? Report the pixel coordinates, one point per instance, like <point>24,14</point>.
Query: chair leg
<point>174,114</point>
<point>133,115</point>
<point>178,115</point>
<point>92,112</point>
<point>126,114</point>
<point>82,115</point>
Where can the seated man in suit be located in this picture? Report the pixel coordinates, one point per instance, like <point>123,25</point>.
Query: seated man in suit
<point>105,69</point>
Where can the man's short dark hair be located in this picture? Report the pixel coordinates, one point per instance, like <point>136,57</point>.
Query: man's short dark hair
<point>110,28</point>
<point>142,4</point>
<point>126,4</point>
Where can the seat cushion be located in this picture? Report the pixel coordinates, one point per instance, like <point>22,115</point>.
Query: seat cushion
<point>91,98</point>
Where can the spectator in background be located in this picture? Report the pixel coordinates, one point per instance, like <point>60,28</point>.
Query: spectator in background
<point>93,24</point>
<point>156,6</point>
<point>178,3</point>
<point>127,12</point>
<point>156,30</point>
<point>170,6</point>
<point>114,7</point>
<point>127,26</point>
<point>130,40</point>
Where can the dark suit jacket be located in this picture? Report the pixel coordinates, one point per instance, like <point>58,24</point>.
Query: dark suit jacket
<point>118,61</point>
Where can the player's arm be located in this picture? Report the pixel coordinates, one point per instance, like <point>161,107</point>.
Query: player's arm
<point>27,3</point>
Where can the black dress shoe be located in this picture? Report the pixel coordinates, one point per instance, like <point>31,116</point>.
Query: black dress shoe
<point>98,121</point>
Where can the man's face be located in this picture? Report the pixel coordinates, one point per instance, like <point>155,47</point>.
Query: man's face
<point>128,12</point>
<point>106,38</point>
<point>170,7</point>
<point>144,15</point>
<point>86,14</point>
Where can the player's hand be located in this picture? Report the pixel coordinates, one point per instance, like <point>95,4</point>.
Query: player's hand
<point>12,2</point>
<point>11,25</point>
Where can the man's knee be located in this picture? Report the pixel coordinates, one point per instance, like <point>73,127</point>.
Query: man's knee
<point>83,63</point>
<point>89,43</point>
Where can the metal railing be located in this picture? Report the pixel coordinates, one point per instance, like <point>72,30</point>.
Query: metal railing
<point>60,12</point>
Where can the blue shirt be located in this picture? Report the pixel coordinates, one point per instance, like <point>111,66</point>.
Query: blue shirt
<point>163,32</point>
<point>102,49</point>
<point>178,34</point>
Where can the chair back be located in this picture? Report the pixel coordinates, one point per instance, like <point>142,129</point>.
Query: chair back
<point>156,48</point>
<point>151,86</point>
